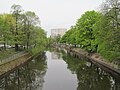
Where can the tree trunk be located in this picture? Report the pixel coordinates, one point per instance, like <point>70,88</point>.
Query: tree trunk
<point>28,35</point>
<point>4,46</point>
<point>27,44</point>
<point>16,33</point>
<point>16,47</point>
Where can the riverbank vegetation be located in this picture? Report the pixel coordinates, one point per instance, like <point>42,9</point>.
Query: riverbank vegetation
<point>98,31</point>
<point>21,30</point>
<point>7,53</point>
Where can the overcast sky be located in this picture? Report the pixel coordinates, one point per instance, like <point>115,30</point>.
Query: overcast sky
<point>54,13</point>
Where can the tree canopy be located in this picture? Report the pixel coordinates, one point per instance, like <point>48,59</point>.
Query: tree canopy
<point>21,29</point>
<point>98,31</point>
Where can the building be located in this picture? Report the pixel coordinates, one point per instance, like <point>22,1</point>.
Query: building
<point>58,31</point>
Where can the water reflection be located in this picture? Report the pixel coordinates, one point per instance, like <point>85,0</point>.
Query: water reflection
<point>58,77</point>
<point>58,70</point>
<point>89,76</point>
<point>55,55</point>
<point>28,77</point>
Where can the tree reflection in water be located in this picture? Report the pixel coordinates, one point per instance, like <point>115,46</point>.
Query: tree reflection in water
<point>89,76</point>
<point>31,75</point>
<point>27,77</point>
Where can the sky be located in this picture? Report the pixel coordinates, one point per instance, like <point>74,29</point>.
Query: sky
<point>54,13</point>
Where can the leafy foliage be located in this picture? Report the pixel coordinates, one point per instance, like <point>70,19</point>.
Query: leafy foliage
<point>21,29</point>
<point>98,32</point>
<point>82,33</point>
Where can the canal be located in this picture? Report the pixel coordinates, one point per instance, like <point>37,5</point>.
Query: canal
<point>58,70</point>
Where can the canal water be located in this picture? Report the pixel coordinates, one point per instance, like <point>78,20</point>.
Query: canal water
<point>57,70</point>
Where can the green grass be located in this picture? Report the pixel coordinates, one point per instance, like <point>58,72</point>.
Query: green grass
<point>7,53</point>
<point>110,55</point>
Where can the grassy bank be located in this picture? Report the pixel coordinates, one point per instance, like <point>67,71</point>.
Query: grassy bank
<point>7,53</point>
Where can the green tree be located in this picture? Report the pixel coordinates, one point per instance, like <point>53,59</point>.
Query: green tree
<point>7,23</point>
<point>68,37</point>
<point>16,12</point>
<point>40,37</point>
<point>58,37</point>
<point>108,30</point>
<point>31,21</point>
<point>85,35</point>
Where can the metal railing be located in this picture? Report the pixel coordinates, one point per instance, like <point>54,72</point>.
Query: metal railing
<point>15,56</point>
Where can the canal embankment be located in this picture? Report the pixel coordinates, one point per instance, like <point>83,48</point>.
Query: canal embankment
<point>95,58</point>
<point>7,53</point>
<point>9,57</point>
<point>12,64</point>
<point>12,61</point>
